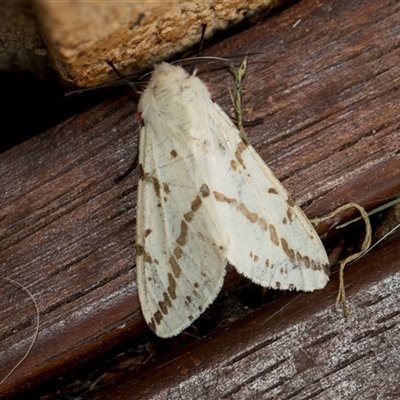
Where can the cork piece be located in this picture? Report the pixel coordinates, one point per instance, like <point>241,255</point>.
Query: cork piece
<point>81,36</point>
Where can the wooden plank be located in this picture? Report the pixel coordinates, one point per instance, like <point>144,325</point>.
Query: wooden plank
<point>299,347</point>
<point>330,133</point>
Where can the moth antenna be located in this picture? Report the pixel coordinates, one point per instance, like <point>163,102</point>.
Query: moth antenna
<point>113,67</point>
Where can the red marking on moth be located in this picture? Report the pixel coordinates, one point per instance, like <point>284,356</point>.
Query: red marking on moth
<point>139,118</point>
<point>210,90</point>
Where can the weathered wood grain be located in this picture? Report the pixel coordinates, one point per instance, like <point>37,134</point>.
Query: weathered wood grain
<point>328,91</point>
<point>295,348</point>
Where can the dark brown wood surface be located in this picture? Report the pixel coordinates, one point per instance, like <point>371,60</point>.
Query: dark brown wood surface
<point>299,347</point>
<point>325,80</point>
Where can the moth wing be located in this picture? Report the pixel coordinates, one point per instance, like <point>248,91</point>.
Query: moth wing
<point>180,252</point>
<point>270,240</point>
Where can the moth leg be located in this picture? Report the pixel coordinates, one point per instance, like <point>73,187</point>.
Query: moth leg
<point>131,168</point>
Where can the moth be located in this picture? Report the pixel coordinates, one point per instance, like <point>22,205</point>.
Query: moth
<point>205,198</point>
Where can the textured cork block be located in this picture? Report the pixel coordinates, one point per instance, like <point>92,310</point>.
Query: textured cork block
<point>81,36</point>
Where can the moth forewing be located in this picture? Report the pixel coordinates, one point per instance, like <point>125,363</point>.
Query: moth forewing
<point>206,197</point>
<point>271,241</point>
<point>180,265</point>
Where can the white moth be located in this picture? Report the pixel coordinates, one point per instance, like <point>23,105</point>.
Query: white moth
<point>205,198</point>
